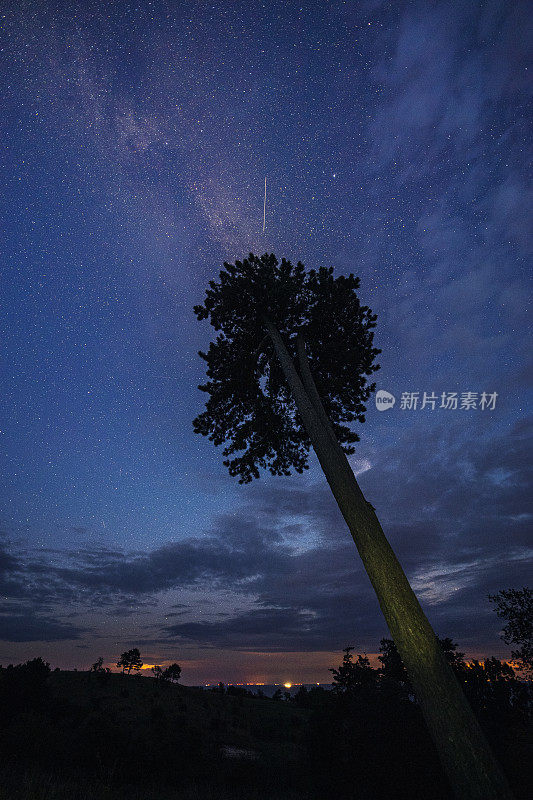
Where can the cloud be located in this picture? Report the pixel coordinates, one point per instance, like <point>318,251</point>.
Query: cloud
<point>443,75</point>
<point>18,625</point>
<point>457,512</point>
<point>8,563</point>
<point>459,532</point>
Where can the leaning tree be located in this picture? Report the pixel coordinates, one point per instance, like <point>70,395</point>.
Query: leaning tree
<point>288,370</point>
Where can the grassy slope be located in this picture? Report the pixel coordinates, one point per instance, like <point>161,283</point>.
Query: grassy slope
<point>255,723</point>
<point>271,730</point>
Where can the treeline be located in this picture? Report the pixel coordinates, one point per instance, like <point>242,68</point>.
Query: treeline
<point>369,732</point>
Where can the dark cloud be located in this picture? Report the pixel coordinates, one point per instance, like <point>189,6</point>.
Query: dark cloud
<point>457,512</point>
<point>263,629</point>
<point>459,518</point>
<point>20,625</point>
<point>239,550</point>
<point>8,562</point>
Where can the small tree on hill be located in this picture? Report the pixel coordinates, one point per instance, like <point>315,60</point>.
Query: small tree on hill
<point>103,674</point>
<point>352,675</point>
<point>173,673</point>
<point>130,659</point>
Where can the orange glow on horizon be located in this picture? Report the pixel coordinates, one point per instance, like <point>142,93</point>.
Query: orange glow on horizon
<point>259,669</point>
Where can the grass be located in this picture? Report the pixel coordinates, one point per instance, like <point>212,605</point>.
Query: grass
<point>33,785</point>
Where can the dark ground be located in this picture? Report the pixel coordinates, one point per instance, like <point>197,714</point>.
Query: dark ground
<point>80,735</point>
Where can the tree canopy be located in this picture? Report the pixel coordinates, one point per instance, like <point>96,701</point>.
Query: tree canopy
<point>250,407</point>
<point>130,659</point>
<point>352,675</point>
<point>171,674</point>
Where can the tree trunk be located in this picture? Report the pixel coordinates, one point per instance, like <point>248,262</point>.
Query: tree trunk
<point>464,752</point>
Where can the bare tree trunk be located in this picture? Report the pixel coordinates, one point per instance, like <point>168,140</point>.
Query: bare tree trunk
<point>465,754</point>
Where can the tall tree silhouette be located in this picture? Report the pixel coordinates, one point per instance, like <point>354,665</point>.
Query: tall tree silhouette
<point>288,370</point>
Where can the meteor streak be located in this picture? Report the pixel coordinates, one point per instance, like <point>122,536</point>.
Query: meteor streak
<point>265,206</point>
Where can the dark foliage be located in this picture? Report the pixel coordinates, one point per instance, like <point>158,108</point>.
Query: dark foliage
<point>239,691</point>
<point>372,743</point>
<point>310,698</point>
<point>171,674</point>
<point>392,667</point>
<point>491,687</point>
<point>98,665</point>
<point>23,687</point>
<point>103,674</point>
<point>129,660</point>
<point>352,675</point>
<point>516,607</point>
<point>250,408</point>
<point>368,737</point>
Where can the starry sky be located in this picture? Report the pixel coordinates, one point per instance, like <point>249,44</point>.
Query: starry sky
<point>136,137</point>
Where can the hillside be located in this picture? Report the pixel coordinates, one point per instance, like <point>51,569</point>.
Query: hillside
<point>259,724</point>
<point>83,736</point>
<point>134,737</point>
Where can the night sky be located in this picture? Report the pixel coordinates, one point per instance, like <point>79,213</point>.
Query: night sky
<point>136,138</point>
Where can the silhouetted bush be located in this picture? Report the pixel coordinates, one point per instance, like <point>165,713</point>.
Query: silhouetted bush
<point>23,687</point>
